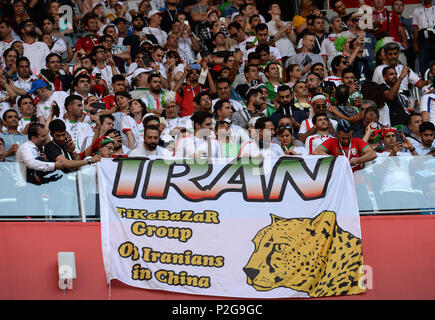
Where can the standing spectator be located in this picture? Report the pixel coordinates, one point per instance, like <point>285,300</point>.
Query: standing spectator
<point>79,131</point>
<point>46,100</point>
<point>397,102</point>
<point>387,24</point>
<point>118,85</point>
<point>340,9</point>
<point>392,54</point>
<point>6,36</point>
<point>233,7</point>
<point>155,19</point>
<point>262,145</point>
<point>132,125</point>
<point>48,27</point>
<point>35,51</point>
<point>288,142</point>
<point>27,110</point>
<point>24,79</point>
<point>254,103</point>
<point>306,58</point>
<point>153,98</point>
<point>105,67</point>
<point>224,112</point>
<point>424,33</point>
<point>169,14</point>
<point>62,81</point>
<point>282,32</point>
<point>90,38</point>
<point>397,6</point>
<point>327,48</point>
<point>201,144</point>
<point>223,88</point>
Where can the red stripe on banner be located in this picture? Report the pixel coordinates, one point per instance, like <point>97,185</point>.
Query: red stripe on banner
<point>398,250</point>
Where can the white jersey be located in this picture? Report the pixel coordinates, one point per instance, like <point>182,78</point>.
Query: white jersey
<point>193,147</point>
<point>43,107</point>
<point>137,129</point>
<point>424,17</point>
<point>427,104</point>
<point>106,74</point>
<point>81,133</point>
<point>36,53</point>
<point>160,35</point>
<point>312,142</point>
<point>307,124</point>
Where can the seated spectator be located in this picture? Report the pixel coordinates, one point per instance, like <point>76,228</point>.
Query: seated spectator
<point>323,132</point>
<point>427,134</point>
<point>200,144</point>
<point>149,145</point>
<point>119,149</point>
<point>27,111</point>
<point>224,111</point>
<point>261,145</point>
<point>287,108</point>
<point>287,141</point>
<point>255,101</point>
<point>355,149</point>
<point>2,150</point>
<point>103,147</point>
<point>47,98</point>
<point>132,125</point>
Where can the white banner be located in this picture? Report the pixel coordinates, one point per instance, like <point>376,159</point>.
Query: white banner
<point>288,227</point>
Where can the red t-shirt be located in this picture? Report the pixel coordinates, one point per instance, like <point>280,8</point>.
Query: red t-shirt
<point>186,100</point>
<point>87,43</point>
<point>357,147</point>
<point>394,24</point>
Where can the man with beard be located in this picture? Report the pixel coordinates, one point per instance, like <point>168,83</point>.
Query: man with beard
<point>62,148</point>
<point>427,134</point>
<point>255,101</point>
<point>62,82</point>
<point>201,144</point>
<point>35,51</point>
<point>287,109</point>
<point>153,99</point>
<point>355,149</point>
<point>132,42</point>
<point>90,39</point>
<point>392,51</point>
<point>150,145</point>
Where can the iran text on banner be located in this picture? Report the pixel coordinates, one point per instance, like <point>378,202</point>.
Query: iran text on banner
<point>235,228</point>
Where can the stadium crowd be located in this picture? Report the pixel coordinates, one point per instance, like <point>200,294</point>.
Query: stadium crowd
<point>89,79</point>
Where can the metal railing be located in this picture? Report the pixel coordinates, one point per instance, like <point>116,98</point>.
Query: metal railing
<point>391,185</point>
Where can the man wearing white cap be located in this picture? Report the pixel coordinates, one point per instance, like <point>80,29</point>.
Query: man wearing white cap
<point>318,104</point>
<point>153,28</point>
<point>141,88</point>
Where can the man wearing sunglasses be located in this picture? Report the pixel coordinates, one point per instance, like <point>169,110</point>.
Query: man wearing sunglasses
<point>308,128</point>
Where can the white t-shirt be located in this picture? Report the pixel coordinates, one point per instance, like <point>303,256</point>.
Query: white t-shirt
<point>43,107</point>
<point>410,78</point>
<point>160,35</point>
<point>283,43</point>
<point>36,53</point>
<point>273,51</point>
